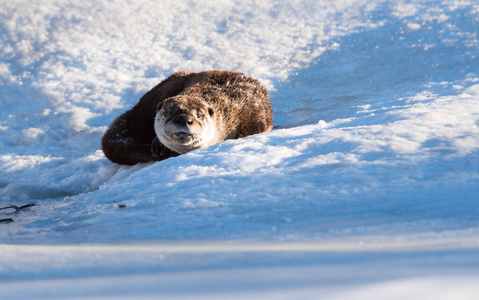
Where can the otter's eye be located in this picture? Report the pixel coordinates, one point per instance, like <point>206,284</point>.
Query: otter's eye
<point>211,111</point>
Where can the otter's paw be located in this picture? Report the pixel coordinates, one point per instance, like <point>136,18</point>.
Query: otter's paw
<point>157,148</point>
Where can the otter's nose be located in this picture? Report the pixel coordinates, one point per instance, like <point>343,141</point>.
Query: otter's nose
<point>183,120</point>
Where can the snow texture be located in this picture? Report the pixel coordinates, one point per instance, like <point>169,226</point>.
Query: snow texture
<point>367,188</point>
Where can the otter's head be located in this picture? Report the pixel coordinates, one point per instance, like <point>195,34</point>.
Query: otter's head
<point>184,123</point>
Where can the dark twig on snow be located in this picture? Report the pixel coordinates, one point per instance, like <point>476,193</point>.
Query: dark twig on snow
<point>27,205</point>
<point>11,206</point>
<point>16,208</point>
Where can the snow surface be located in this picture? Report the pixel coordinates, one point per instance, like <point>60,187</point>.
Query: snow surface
<point>366,189</point>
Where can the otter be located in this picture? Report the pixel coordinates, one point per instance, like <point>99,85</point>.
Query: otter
<point>188,111</point>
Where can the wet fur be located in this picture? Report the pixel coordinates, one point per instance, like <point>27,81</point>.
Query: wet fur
<point>240,106</point>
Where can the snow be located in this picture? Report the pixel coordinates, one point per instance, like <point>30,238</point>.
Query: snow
<point>366,188</point>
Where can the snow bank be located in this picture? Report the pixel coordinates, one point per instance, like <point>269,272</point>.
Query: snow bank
<point>272,185</point>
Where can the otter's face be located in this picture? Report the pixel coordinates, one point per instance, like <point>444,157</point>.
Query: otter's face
<point>184,123</point>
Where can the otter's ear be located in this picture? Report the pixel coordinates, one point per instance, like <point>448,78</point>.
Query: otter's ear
<point>211,111</point>
<point>159,107</point>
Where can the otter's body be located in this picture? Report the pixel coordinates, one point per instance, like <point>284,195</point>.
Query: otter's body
<point>188,111</point>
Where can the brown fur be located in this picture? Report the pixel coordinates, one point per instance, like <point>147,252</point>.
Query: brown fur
<point>240,105</point>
